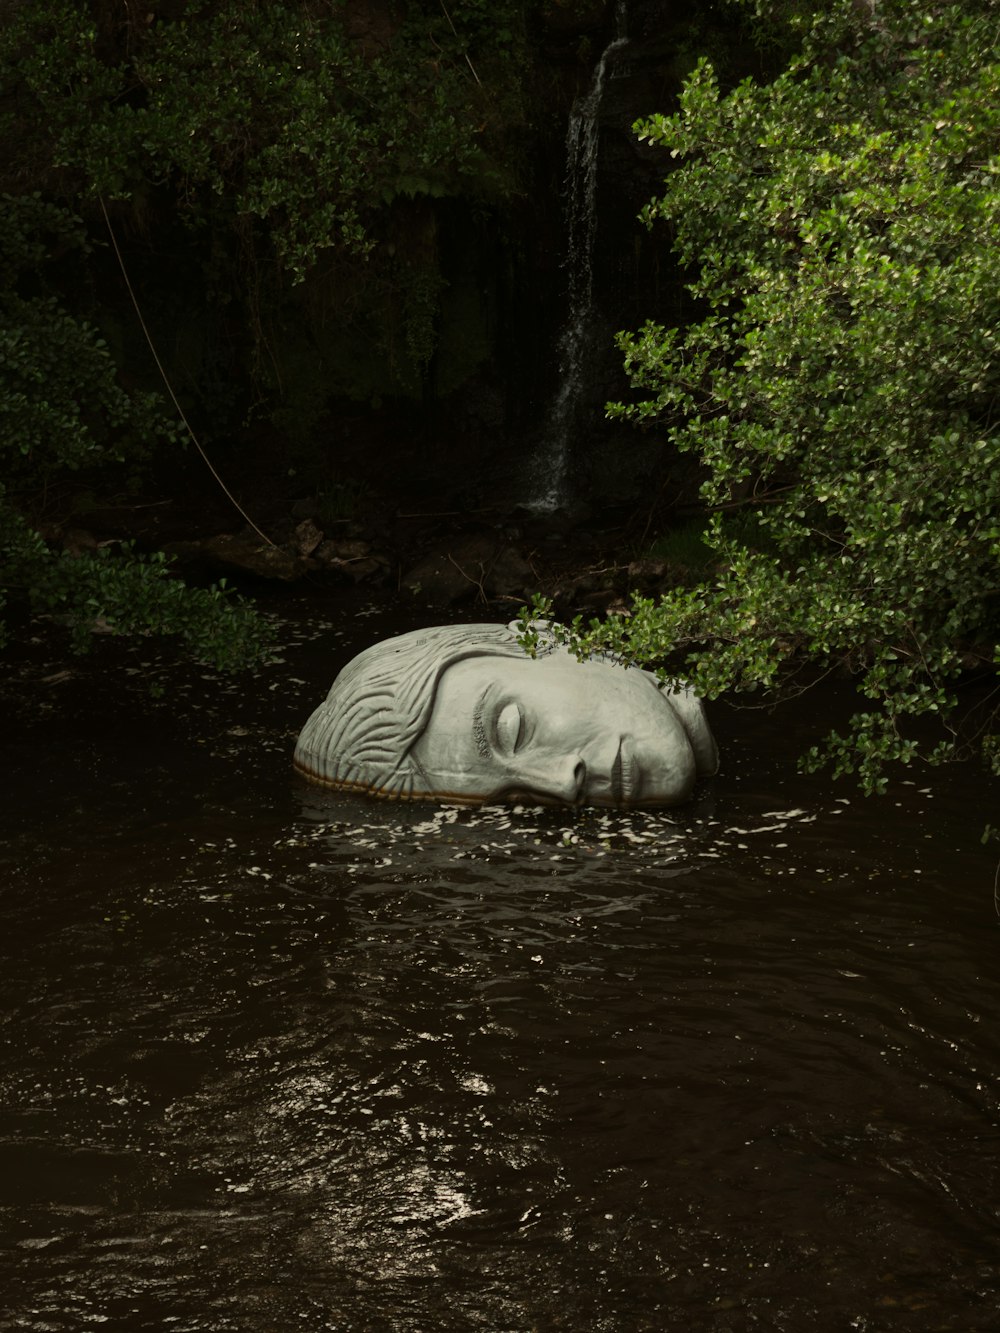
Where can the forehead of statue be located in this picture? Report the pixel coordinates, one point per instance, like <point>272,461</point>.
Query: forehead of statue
<point>553,681</point>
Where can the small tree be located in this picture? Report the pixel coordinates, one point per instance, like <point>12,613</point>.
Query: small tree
<point>62,410</point>
<point>277,138</point>
<point>843,384</point>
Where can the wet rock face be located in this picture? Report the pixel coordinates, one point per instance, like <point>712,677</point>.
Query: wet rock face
<point>248,555</point>
<point>572,18</point>
<point>626,68</point>
<point>307,551</point>
<point>479,566</point>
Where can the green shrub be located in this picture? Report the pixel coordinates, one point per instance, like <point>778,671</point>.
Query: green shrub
<point>842,224</point>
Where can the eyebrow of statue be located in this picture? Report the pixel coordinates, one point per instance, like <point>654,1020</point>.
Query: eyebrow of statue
<point>479,736</point>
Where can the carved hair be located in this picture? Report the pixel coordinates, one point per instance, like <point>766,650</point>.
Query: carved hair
<point>362,735</point>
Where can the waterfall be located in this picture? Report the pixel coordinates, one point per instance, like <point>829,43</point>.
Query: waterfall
<point>550,466</point>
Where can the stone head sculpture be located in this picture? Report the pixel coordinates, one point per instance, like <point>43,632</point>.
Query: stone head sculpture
<point>463,713</point>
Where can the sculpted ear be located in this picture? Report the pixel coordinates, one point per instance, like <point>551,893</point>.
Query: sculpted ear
<point>691,712</point>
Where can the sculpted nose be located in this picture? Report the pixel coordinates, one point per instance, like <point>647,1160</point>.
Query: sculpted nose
<point>563,781</point>
<point>570,780</point>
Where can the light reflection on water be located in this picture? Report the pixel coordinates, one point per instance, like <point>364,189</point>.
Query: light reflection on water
<point>273,1058</point>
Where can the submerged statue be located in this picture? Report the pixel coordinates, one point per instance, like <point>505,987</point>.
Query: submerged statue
<point>463,713</point>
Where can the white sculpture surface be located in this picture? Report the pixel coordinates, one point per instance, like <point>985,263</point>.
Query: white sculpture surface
<point>463,713</point>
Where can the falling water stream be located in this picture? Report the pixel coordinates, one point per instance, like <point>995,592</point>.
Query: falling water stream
<point>550,467</point>
<point>273,1058</point>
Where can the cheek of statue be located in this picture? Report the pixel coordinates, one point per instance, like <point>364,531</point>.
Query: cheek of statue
<point>575,733</point>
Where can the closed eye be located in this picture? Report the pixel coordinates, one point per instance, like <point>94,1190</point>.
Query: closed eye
<point>509,729</point>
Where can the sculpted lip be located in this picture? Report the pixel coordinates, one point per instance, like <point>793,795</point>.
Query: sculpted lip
<point>622,774</point>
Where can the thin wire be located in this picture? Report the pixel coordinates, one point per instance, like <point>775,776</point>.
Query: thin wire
<point>163,374</point>
<point>465,53</point>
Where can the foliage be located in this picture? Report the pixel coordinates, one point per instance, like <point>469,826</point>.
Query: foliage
<point>842,228</point>
<point>291,141</point>
<point>682,547</point>
<point>278,140</point>
<point>62,410</point>
<point>267,112</point>
<point>126,593</point>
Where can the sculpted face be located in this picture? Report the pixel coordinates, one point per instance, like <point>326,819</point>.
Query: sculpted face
<point>574,732</point>
<point>460,712</point>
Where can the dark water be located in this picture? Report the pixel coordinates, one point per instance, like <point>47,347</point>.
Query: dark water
<point>273,1059</point>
